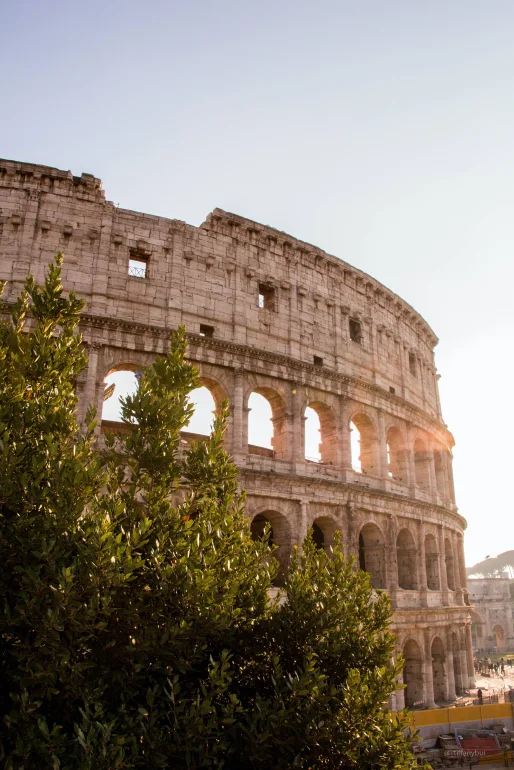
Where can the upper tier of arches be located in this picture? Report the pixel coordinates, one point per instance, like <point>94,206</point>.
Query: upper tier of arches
<point>307,431</point>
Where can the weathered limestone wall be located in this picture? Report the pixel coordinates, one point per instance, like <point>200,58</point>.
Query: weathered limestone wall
<point>284,319</point>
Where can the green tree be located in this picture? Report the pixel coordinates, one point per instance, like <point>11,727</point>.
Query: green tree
<point>137,629</point>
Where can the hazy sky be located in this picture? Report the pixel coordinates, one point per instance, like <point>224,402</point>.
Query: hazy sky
<point>381,131</point>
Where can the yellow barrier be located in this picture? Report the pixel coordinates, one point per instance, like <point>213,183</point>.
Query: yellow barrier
<point>462,714</point>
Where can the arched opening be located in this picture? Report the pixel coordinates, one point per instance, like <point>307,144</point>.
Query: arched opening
<point>457,672</point>
<point>406,556</point>
<point>413,674</point>
<point>320,434</point>
<point>499,636</point>
<point>450,566</point>
<point>323,531</point>
<point>421,465</point>
<point>397,460</point>
<point>318,537</point>
<point>432,563</point>
<point>200,423</point>
<point>371,554</point>
<point>363,445</point>
<point>119,383</point>
<point>267,429</point>
<point>279,535</point>
<point>440,473</point>
<point>438,675</point>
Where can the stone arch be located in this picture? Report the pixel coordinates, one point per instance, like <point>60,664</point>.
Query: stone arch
<point>450,564</point>
<point>119,382</point>
<point>500,637</point>
<point>208,398</point>
<point>372,553</point>
<point>278,419</point>
<point>421,465</point>
<point>216,388</point>
<point>406,557</point>
<point>280,535</point>
<point>438,669</point>
<point>397,456</point>
<point>328,453</point>
<point>324,529</point>
<point>432,563</point>
<point>413,673</point>
<point>364,444</point>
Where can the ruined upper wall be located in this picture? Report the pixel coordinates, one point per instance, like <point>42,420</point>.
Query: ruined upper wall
<point>211,275</point>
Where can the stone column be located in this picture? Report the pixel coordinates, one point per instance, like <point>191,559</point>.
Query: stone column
<point>445,492</point>
<point>237,412</point>
<point>442,565</point>
<point>382,445</point>
<point>462,569</point>
<point>297,427</point>
<point>89,396</point>
<point>410,457</point>
<point>428,674</point>
<point>303,520</point>
<point>352,546</point>
<point>346,451</point>
<point>451,488</point>
<point>431,473</point>
<point>450,671</point>
<point>456,569</point>
<point>422,566</point>
<point>392,561</point>
<point>399,696</point>
<point>469,655</point>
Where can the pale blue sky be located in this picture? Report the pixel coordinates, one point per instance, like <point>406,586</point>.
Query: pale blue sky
<point>381,131</point>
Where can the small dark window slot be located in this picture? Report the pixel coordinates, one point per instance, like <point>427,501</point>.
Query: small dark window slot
<point>355,330</point>
<point>318,361</point>
<point>391,389</point>
<point>206,331</point>
<point>412,364</point>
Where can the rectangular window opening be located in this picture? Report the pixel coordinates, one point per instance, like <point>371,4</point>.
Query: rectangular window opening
<point>138,267</point>
<point>355,330</point>
<point>266,297</point>
<point>206,331</point>
<point>412,364</point>
<point>318,361</point>
<point>391,389</point>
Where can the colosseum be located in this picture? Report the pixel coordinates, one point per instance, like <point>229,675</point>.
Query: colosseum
<point>271,315</point>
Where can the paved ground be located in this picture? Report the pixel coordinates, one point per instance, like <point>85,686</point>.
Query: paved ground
<point>491,685</point>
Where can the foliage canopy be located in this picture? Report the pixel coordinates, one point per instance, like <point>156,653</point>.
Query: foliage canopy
<point>137,629</point>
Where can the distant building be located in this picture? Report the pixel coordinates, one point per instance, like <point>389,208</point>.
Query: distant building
<point>492,614</point>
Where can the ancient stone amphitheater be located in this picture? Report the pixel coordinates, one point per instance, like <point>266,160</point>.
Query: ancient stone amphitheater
<point>272,315</point>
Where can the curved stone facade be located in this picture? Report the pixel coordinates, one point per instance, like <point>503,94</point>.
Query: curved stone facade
<point>267,313</point>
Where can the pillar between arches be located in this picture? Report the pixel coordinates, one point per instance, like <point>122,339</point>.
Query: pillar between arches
<point>422,566</point>
<point>450,669</point>
<point>442,566</point>
<point>90,393</point>
<point>469,655</point>
<point>428,673</point>
<point>382,445</point>
<point>410,454</point>
<point>238,412</point>
<point>345,445</point>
